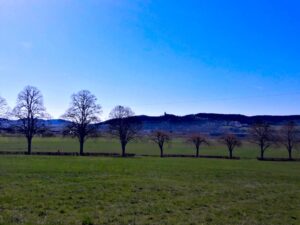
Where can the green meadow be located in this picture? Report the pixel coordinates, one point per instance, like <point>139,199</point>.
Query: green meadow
<point>139,147</point>
<point>145,190</point>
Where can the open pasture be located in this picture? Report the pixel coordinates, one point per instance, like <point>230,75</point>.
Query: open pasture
<point>140,147</point>
<point>147,190</point>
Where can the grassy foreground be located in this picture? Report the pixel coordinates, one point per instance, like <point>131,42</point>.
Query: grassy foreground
<point>83,190</point>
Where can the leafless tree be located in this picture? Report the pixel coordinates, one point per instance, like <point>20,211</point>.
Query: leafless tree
<point>197,140</point>
<point>262,135</point>
<point>30,112</point>
<point>124,126</point>
<point>160,138</point>
<point>84,113</point>
<point>289,137</point>
<point>231,141</point>
<point>3,109</point>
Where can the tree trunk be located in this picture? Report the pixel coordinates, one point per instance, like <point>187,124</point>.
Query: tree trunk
<point>261,153</point>
<point>230,154</point>
<point>29,141</point>
<point>161,151</point>
<point>81,147</point>
<point>197,152</point>
<point>290,154</point>
<point>123,150</point>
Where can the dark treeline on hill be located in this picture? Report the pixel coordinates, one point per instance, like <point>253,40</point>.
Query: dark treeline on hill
<point>242,119</point>
<point>210,123</point>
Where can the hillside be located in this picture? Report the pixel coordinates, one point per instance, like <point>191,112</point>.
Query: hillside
<point>213,124</point>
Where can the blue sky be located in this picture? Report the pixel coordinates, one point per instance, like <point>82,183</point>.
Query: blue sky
<point>157,56</point>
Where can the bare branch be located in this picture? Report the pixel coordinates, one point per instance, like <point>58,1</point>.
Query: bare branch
<point>231,141</point>
<point>30,111</point>
<point>4,110</point>
<point>289,137</point>
<point>160,138</point>
<point>197,140</point>
<point>83,114</point>
<point>124,126</point>
<point>262,135</point>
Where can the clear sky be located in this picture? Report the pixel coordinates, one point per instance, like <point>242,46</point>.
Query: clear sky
<point>157,56</point>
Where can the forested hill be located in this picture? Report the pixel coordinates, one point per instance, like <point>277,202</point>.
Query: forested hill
<point>213,124</point>
<point>274,120</point>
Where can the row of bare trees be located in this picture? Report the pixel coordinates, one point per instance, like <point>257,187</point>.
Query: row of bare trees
<point>197,140</point>
<point>261,134</point>
<point>83,117</point>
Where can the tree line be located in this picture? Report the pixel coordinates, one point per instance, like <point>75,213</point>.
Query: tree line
<point>83,118</point>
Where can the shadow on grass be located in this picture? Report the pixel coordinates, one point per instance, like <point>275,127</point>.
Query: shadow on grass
<point>278,159</point>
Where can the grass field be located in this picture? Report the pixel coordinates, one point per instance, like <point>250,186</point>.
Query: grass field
<point>178,146</point>
<point>145,190</point>
<point>84,190</point>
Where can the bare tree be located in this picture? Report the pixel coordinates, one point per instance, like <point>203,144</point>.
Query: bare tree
<point>83,114</point>
<point>3,107</point>
<point>30,111</point>
<point>160,138</point>
<point>231,141</point>
<point>197,140</point>
<point>3,110</point>
<point>123,126</point>
<point>289,137</point>
<point>262,135</point>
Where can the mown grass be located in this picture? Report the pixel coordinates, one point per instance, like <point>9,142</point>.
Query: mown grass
<point>178,146</point>
<point>84,190</point>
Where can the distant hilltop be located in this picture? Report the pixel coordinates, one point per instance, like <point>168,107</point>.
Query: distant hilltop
<point>209,123</point>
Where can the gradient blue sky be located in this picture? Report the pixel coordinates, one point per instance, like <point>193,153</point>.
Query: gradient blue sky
<point>155,56</point>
